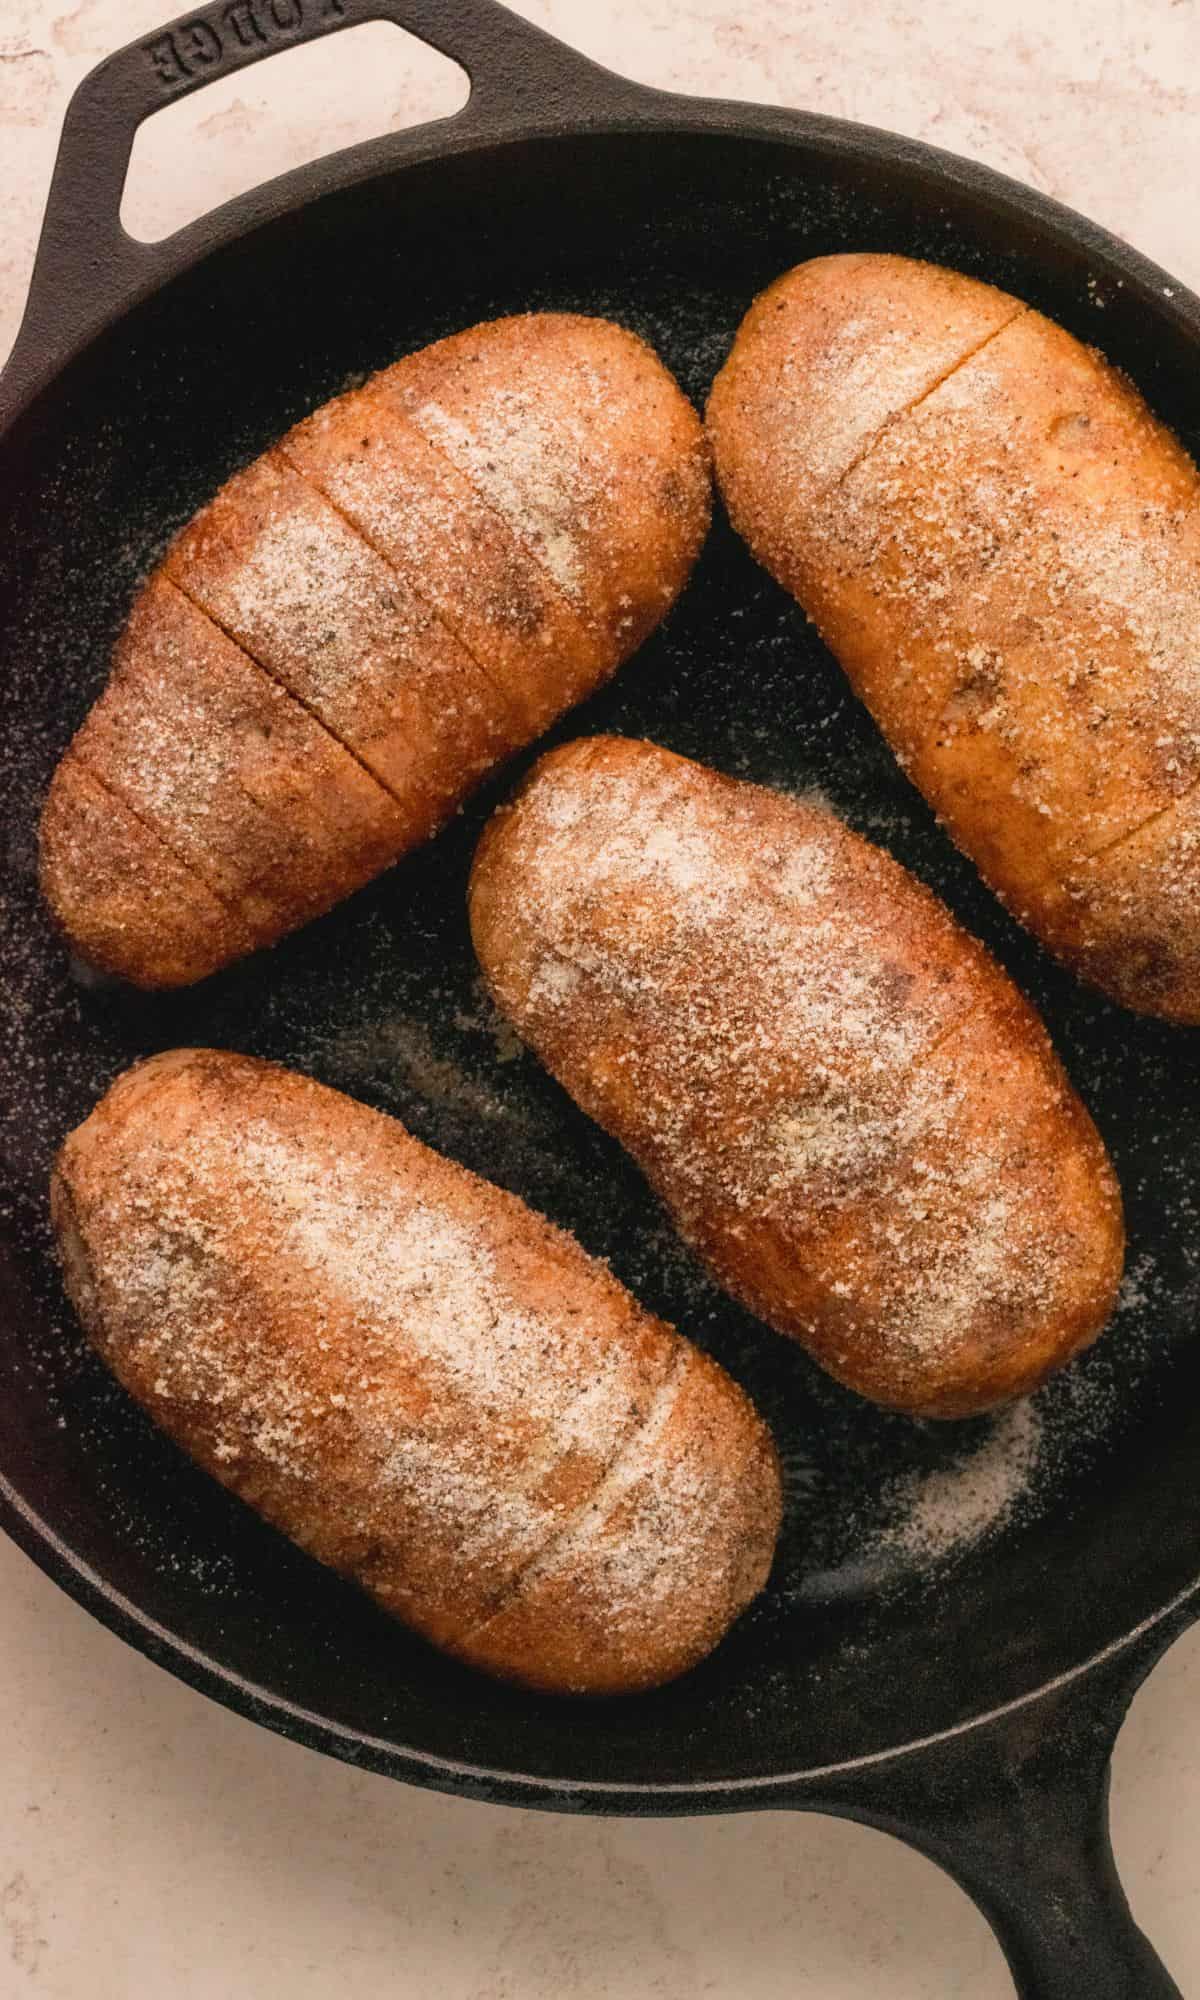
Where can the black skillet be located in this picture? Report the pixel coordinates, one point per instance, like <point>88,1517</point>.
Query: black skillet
<point>961,1689</point>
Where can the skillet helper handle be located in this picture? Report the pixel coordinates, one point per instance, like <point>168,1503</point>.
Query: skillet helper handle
<point>1016,1810</point>
<point>88,268</point>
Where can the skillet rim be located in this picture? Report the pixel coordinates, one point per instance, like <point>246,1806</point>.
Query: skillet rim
<point>1140,1646</point>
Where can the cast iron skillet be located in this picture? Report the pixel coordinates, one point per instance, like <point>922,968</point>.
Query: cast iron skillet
<point>962,1693</point>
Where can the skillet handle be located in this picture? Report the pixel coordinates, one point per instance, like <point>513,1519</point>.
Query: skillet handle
<point>1016,1810</point>
<point>88,268</point>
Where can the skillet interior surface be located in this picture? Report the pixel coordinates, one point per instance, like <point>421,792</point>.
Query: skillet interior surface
<point>926,1572</point>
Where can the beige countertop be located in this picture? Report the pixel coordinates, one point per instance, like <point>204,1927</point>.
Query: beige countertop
<point>150,1843</point>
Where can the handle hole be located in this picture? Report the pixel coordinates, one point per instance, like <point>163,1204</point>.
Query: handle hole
<point>298,106</point>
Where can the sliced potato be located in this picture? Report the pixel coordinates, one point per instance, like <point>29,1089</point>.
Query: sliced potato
<point>851,1113</point>
<point>415,1377</point>
<point>1008,568</point>
<point>367,619</point>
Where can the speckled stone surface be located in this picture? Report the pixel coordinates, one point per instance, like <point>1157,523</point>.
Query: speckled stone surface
<point>151,1843</point>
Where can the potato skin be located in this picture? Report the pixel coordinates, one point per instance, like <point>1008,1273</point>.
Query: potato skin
<point>1002,547</point>
<point>853,1116</point>
<point>115,888</point>
<point>419,1380</point>
<point>411,584</point>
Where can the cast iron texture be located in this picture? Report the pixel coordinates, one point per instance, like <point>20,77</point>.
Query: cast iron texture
<point>968,1702</point>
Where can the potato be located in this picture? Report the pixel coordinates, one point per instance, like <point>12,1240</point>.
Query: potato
<point>853,1116</point>
<point>419,1380</point>
<point>1002,547</point>
<point>413,583</point>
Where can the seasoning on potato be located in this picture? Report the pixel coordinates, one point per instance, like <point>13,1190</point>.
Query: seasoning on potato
<point>422,1382</point>
<point>414,582</point>
<point>853,1116</point>
<point>1001,545</point>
